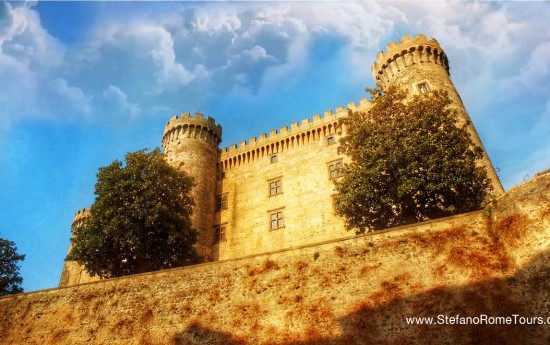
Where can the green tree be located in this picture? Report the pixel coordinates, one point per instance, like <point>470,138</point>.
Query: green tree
<point>140,220</point>
<point>410,161</point>
<point>9,270</point>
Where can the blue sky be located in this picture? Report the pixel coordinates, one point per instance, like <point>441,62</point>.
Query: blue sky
<point>82,83</point>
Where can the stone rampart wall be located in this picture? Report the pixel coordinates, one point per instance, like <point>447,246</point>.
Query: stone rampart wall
<point>358,290</point>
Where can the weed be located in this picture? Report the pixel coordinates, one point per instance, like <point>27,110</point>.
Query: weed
<point>339,251</point>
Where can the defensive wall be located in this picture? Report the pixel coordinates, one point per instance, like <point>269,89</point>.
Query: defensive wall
<point>286,177</point>
<point>357,290</point>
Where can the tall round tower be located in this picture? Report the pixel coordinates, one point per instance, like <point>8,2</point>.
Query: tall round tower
<point>420,65</point>
<point>191,144</point>
<point>73,272</point>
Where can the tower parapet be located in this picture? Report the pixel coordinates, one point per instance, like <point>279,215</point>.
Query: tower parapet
<point>409,51</point>
<point>80,216</point>
<point>191,144</point>
<point>189,126</point>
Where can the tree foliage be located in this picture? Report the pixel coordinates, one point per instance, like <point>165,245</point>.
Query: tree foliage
<point>140,220</point>
<point>10,279</point>
<point>410,161</point>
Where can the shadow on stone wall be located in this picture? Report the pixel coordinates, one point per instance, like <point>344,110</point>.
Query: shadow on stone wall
<point>526,294</point>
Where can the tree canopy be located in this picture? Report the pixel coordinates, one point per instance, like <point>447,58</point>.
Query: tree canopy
<point>140,220</point>
<point>411,161</point>
<point>10,279</point>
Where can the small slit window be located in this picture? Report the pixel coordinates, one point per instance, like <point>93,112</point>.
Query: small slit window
<point>423,88</point>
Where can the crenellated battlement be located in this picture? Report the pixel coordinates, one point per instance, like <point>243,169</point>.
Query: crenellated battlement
<point>409,51</point>
<point>192,126</point>
<point>273,192</point>
<point>329,121</point>
<point>80,216</point>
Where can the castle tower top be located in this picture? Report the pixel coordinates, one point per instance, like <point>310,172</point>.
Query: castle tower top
<point>408,52</point>
<point>80,216</point>
<point>196,126</point>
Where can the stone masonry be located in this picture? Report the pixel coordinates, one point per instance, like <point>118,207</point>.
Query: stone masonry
<point>273,191</point>
<point>492,264</point>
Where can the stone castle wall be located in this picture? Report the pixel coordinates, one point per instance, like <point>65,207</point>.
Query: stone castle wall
<point>299,159</point>
<point>301,163</point>
<point>357,290</point>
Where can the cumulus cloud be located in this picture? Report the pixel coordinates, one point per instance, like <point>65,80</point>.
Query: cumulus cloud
<point>27,55</point>
<point>536,71</point>
<point>190,50</point>
<point>117,103</point>
<point>189,53</point>
<point>72,97</point>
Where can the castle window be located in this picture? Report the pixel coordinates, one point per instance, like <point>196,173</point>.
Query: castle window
<point>331,140</point>
<point>221,202</point>
<point>276,220</point>
<point>219,233</point>
<point>275,187</point>
<point>273,159</point>
<point>335,169</point>
<point>423,88</point>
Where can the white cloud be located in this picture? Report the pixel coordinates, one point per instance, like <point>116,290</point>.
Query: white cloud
<point>536,71</point>
<point>27,54</point>
<point>23,38</point>
<point>118,105</point>
<point>186,52</point>
<point>71,97</point>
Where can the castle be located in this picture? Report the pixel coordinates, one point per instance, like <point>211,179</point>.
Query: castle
<point>273,192</point>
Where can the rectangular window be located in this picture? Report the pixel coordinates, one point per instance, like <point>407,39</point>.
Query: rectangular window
<point>331,140</point>
<point>335,169</point>
<point>276,220</point>
<point>275,187</point>
<point>423,88</point>
<point>219,233</point>
<point>273,159</point>
<point>221,202</point>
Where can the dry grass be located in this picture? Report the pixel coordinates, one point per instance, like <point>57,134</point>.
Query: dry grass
<point>389,292</point>
<point>482,263</point>
<point>268,265</point>
<point>510,229</point>
<point>300,266</point>
<point>368,268</point>
<point>339,251</point>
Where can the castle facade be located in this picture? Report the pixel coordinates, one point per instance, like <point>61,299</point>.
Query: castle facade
<point>273,191</point>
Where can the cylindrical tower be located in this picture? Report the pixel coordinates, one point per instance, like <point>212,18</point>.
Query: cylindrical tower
<point>420,65</point>
<point>191,144</point>
<point>73,272</point>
